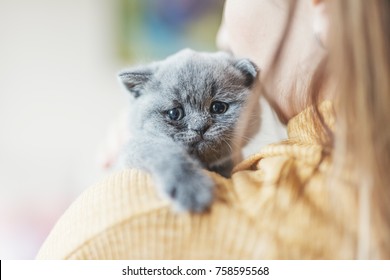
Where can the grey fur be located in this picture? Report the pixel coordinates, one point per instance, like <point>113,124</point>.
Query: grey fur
<point>175,152</point>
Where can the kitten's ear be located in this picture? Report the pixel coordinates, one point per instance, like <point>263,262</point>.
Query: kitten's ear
<point>134,79</point>
<point>249,69</point>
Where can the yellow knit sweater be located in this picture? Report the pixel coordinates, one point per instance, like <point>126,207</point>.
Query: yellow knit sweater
<point>277,205</point>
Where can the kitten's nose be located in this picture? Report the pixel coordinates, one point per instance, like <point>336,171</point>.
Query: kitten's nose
<point>202,131</point>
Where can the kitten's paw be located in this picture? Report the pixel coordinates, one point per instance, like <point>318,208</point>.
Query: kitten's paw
<point>190,191</point>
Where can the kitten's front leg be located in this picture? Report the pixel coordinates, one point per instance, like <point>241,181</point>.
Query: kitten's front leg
<point>178,176</point>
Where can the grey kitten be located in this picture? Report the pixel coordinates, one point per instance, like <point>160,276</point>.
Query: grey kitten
<point>183,115</point>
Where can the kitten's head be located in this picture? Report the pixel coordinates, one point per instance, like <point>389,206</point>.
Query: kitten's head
<point>194,98</point>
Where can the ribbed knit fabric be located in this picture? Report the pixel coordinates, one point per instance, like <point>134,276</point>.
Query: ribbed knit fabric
<point>277,205</point>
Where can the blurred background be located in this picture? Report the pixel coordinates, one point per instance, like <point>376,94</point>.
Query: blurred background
<point>59,95</point>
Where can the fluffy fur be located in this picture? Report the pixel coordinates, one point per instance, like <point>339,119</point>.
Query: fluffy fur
<point>183,115</point>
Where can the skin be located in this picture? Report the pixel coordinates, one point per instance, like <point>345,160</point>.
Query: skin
<point>254,31</point>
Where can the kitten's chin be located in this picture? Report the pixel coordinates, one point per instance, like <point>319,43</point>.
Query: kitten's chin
<point>199,149</point>
<point>205,151</point>
<point>196,148</point>
<point>213,158</point>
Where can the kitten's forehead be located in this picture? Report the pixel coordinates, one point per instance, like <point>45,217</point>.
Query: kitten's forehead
<point>194,75</point>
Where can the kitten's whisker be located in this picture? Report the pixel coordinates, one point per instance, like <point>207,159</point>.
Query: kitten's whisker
<point>241,137</point>
<point>227,143</point>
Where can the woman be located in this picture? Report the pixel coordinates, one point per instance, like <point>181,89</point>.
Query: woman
<point>322,193</point>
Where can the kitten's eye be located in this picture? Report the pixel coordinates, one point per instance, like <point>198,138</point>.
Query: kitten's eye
<point>218,107</point>
<point>176,114</point>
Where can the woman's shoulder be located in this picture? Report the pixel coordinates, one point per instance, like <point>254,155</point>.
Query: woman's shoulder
<point>276,205</point>
<point>281,203</point>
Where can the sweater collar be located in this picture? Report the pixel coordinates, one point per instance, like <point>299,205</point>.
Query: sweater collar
<point>305,128</point>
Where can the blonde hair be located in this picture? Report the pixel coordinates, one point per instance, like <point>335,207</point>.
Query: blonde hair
<point>357,65</point>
